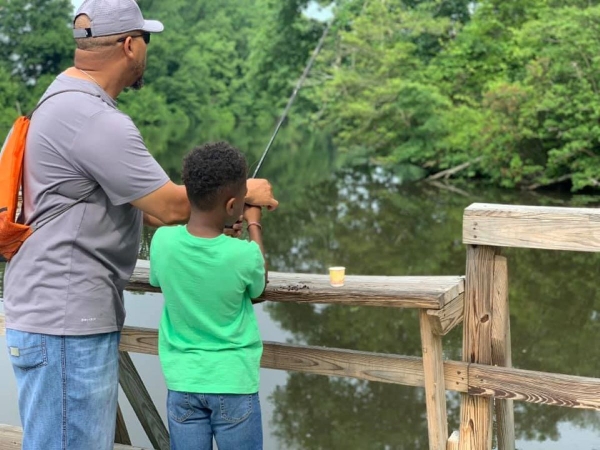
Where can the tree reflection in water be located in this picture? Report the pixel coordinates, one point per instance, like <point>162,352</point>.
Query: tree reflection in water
<point>370,222</point>
<point>373,225</point>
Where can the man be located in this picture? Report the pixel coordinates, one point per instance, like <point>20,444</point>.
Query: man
<point>64,288</point>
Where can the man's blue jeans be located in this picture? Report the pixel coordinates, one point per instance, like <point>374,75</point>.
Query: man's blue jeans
<point>233,419</point>
<point>68,389</point>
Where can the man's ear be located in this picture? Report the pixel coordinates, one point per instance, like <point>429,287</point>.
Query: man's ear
<point>128,48</point>
<point>229,206</point>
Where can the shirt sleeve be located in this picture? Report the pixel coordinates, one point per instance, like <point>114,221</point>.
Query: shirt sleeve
<point>153,278</point>
<point>110,150</point>
<point>256,269</point>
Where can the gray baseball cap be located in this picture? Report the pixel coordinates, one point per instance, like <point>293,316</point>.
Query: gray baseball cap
<point>110,17</point>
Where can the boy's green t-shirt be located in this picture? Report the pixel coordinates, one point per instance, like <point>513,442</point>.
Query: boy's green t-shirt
<point>208,339</point>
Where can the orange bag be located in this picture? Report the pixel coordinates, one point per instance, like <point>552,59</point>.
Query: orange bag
<point>12,233</point>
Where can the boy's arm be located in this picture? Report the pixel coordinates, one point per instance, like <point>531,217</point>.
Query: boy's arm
<point>252,216</point>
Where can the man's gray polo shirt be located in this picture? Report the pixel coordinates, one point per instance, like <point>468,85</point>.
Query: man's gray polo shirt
<point>68,277</point>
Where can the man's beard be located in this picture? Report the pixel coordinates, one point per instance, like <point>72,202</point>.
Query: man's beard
<point>139,82</point>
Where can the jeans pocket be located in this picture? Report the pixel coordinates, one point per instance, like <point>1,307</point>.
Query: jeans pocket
<point>27,351</point>
<point>178,406</point>
<point>234,407</point>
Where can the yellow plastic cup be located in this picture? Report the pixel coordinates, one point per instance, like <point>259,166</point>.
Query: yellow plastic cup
<point>336,276</point>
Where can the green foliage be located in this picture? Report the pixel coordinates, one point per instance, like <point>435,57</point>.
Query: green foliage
<point>34,47</point>
<point>9,103</point>
<point>514,88</point>
<point>376,95</point>
<point>509,85</point>
<point>35,37</point>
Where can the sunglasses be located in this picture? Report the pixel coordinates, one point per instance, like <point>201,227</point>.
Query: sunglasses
<point>144,35</point>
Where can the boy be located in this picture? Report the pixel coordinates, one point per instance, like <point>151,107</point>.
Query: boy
<point>209,342</point>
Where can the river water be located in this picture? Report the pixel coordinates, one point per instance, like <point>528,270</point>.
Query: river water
<point>372,223</point>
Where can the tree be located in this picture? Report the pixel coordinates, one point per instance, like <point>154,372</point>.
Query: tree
<point>36,44</point>
<point>375,95</point>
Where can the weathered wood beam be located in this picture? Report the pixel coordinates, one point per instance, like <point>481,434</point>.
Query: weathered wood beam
<point>476,412</point>
<point>483,380</point>
<point>142,403</point>
<point>435,389</point>
<point>534,387</point>
<point>11,438</point>
<point>501,352</point>
<point>398,292</point>
<point>404,370</point>
<point>551,228</point>
<point>445,319</point>
<point>121,433</point>
<point>552,389</point>
<point>486,381</point>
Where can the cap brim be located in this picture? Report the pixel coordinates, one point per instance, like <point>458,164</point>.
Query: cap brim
<point>153,26</point>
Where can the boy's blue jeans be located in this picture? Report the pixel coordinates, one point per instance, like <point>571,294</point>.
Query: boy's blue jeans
<point>233,419</point>
<point>68,388</point>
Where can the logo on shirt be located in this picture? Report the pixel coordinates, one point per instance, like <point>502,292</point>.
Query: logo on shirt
<point>89,319</point>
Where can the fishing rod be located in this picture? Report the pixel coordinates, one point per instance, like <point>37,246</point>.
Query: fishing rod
<point>293,97</point>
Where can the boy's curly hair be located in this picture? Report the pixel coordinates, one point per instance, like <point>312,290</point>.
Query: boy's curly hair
<point>212,171</point>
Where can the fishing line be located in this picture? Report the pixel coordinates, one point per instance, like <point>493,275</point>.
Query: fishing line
<point>293,97</point>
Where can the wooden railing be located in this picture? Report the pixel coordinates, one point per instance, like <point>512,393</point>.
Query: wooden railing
<point>440,300</point>
<point>484,373</point>
<point>486,330</point>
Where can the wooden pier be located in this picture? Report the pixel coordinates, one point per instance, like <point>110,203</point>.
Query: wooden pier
<point>484,377</point>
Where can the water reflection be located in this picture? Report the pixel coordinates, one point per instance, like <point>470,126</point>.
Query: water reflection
<point>367,221</point>
<point>370,224</point>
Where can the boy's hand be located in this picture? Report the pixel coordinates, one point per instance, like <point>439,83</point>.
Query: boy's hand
<point>235,230</point>
<point>260,193</point>
<point>252,213</point>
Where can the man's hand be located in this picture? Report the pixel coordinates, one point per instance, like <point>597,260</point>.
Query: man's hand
<point>260,193</point>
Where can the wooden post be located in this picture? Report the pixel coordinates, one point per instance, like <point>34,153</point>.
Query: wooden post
<point>142,404</point>
<point>453,441</point>
<point>435,387</point>
<point>121,433</point>
<point>501,352</point>
<point>476,412</point>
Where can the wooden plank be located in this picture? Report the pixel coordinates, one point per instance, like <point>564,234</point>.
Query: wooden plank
<point>501,352</point>
<point>11,439</point>
<point>405,370</point>
<point>141,402</point>
<point>435,389</point>
<point>398,292</point>
<point>534,387</point>
<point>445,319</point>
<point>552,228</point>
<point>476,412</point>
<point>139,340</point>
<point>453,441</point>
<point>121,433</point>
<point>487,381</point>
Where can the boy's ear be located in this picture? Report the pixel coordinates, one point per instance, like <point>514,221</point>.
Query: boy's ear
<point>229,206</point>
